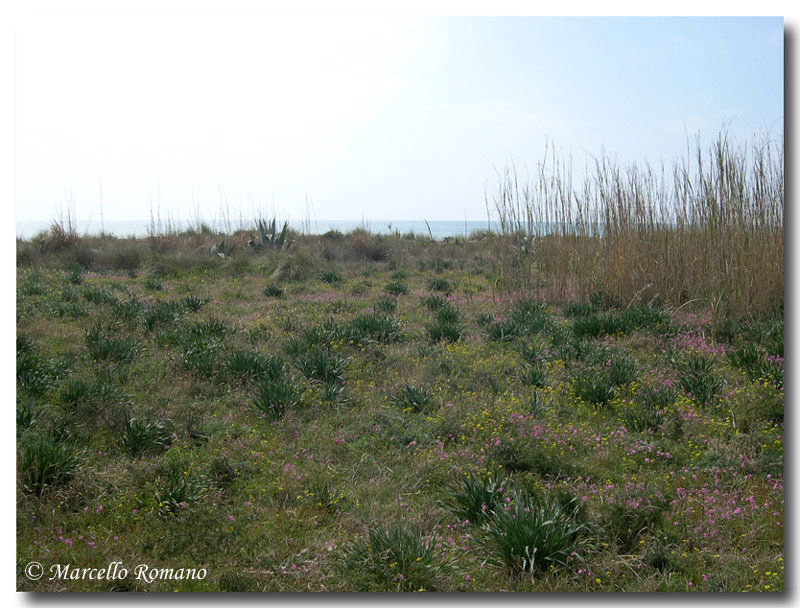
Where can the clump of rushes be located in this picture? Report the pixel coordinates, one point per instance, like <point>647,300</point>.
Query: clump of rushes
<point>193,303</point>
<point>128,311</point>
<point>47,461</point>
<point>252,366</point>
<point>332,277</point>
<point>646,413</point>
<point>439,284</point>
<point>756,364</point>
<point>153,284</point>
<point>163,313</point>
<point>199,354</point>
<point>102,346</point>
<point>697,378</point>
<point>396,558</point>
<point>98,295</point>
<point>382,328</point>
<point>476,498</point>
<point>397,288</point>
<point>447,325</point>
<point>386,305</point>
<point>273,290</point>
<point>322,365</point>
<point>75,276</point>
<point>535,374</point>
<point>178,489</point>
<point>144,434</point>
<point>532,534</point>
<point>275,396</point>
<point>433,302</point>
<point>410,398</point>
<point>526,318</point>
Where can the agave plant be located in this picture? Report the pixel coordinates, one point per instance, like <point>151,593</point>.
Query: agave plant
<point>222,250</point>
<point>269,238</point>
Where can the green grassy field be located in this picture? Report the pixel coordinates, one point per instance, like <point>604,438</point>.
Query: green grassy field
<point>316,421</point>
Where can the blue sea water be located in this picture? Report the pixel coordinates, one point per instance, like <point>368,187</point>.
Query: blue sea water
<point>140,228</point>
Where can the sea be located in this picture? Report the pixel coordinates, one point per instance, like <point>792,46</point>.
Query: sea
<point>438,229</point>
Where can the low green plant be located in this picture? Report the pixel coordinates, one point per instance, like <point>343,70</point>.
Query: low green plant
<point>535,374</point>
<point>380,327</point>
<point>321,365</point>
<point>696,377</point>
<point>332,277</point>
<point>104,347</point>
<point>397,288</point>
<point>179,488</point>
<point>153,284</point>
<point>396,557</point>
<point>143,434</point>
<point>253,366</point>
<point>163,313</point>
<point>46,461</point>
<point>533,535</point>
<point>433,302</point>
<point>75,276</point>
<point>386,305</point>
<point>98,295</point>
<point>275,396</point>
<point>273,290</point>
<point>411,398</point>
<point>476,498</point>
<point>439,284</point>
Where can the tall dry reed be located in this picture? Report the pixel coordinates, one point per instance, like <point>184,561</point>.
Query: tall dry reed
<point>708,229</point>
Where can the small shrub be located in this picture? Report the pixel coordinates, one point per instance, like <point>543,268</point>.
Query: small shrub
<point>47,461</point>
<point>396,557</point>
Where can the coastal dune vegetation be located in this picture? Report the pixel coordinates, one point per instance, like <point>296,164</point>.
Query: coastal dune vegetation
<point>588,399</point>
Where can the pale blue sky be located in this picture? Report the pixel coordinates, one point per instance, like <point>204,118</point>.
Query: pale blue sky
<point>383,118</point>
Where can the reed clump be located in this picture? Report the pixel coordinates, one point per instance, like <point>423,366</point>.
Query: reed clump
<point>707,229</point>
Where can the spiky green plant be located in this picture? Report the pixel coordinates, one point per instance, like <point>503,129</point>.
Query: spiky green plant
<point>476,498</point>
<point>534,534</point>
<point>47,461</point>
<point>275,396</point>
<point>396,557</point>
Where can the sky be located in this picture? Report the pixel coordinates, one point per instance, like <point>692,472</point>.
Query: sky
<point>347,117</point>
